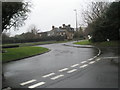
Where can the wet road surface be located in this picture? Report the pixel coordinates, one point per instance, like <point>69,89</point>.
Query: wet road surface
<point>62,67</point>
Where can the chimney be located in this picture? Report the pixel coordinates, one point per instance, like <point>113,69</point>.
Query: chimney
<point>68,25</point>
<point>60,27</point>
<point>63,25</point>
<point>53,27</point>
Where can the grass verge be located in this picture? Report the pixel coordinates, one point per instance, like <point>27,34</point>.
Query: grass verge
<point>84,42</point>
<point>102,44</point>
<point>21,52</point>
<point>34,43</point>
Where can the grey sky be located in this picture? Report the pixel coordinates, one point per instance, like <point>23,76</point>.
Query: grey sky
<point>46,13</point>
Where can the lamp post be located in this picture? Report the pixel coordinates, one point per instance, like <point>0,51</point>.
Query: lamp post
<point>76,17</point>
<point>76,21</point>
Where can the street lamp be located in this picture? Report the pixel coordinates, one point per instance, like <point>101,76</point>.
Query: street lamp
<point>76,20</point>
<point>76,17</point>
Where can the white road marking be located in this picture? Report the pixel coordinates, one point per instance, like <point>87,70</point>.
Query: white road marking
<point>73,70</point>
<point>109,57</point>
<point>98,59</point>
<point>91,62</point>
<point>83,61</point>
<point>63,69</point>
<point>90,59</point>
<point>99,52</point>
<point>48,75</point>
<point>94,57</point>
<point>74,65</point>
<point>36,85</point>
<point>27,82</point>
<point>56,77</point>
<point>83,65</point>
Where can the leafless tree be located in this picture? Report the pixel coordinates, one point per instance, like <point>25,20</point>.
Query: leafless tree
<point>95,10</point>
<point>33,29</point>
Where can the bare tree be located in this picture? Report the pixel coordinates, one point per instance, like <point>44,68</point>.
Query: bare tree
<point>33,29</point>
<point>94,11</point>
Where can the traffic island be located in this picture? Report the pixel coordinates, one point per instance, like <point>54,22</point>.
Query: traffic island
<point>19,53</point>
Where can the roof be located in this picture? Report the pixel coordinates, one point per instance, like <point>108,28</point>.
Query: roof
<point>60,30</point>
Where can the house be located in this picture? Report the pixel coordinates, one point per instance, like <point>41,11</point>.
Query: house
<point>42,34</point>
<point>64,30</point>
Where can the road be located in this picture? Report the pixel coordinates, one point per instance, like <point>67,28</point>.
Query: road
<point>64,67</point>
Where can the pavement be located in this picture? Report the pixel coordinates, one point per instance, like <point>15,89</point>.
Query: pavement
<point>65,66</point>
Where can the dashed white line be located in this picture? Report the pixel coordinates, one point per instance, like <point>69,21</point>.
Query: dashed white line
<point>73,70</point>
<point>91,62</point>
<point>90,59</point>
<point>74,65</point>
<point>83,65</point>
<point>63,69</point>
<point>94,57</point>
<point>36,85</point>
<point>98,59</point>
<point>48,75</point>
<point>56,77</point>
<point>27,82</point>
<point>83,61</point>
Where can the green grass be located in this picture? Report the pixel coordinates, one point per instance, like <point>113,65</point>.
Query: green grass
<point>21,52</point>
<point>108,44</point>
<point>34,43</point>
<point>25,50</point>
<point>84,42</point>
<point>103,44</point>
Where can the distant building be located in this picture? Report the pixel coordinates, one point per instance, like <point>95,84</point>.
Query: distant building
<point>64,30</point>
<point>42,34</point>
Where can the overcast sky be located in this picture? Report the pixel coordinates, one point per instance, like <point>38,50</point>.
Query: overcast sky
<point>46,13</point>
